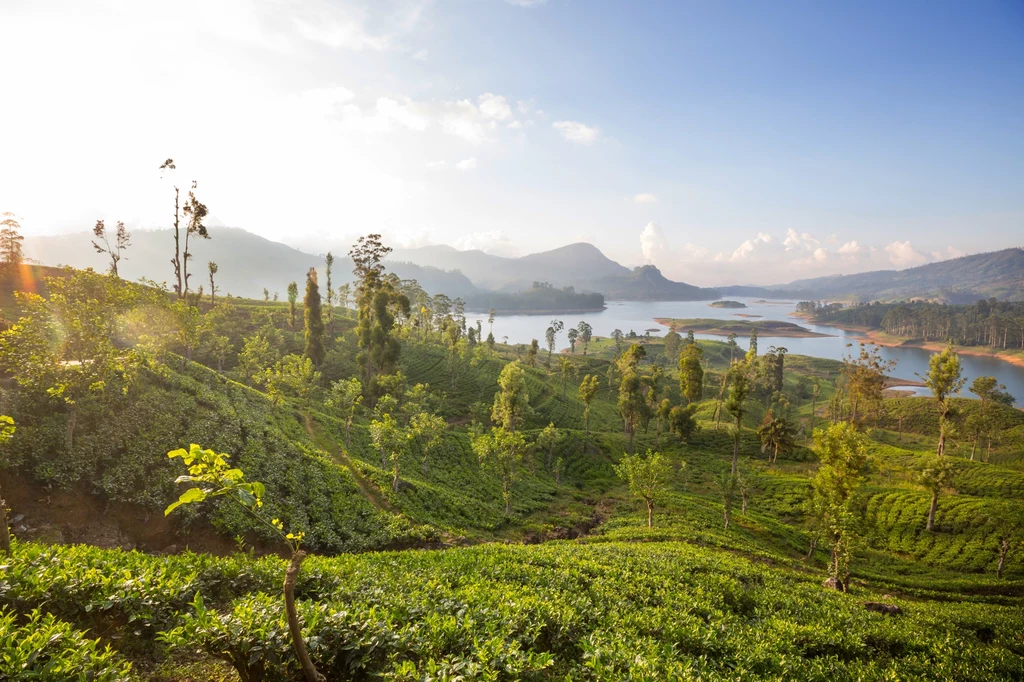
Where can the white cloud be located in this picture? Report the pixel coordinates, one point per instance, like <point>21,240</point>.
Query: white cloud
<point>748,249</point>
<point>496,242</point>
<point>576,132</point>
<point>466,164</point>
<point>404,114</point>
<point>437,165</point>
<point>515,125</point>
<point>851,248</point>
<point>525,106</point>
<point>904,255</point>
<point>421,55</point>
<point>645,198</point>
<point>653,243</point>
<point>340,32</point>
<point>495,106</point>
<point>464,120</point>
<point>795,240</point>
<point>526,3</point>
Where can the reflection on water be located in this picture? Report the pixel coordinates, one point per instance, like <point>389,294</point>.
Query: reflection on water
<point>639,315</point>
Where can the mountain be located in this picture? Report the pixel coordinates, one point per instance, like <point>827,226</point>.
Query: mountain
<point>998,274</point>
<point>646,283</point>
<point>570,265</point>
<point>247,262</point>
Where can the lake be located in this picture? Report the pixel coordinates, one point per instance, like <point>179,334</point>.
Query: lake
<point>639,316</point>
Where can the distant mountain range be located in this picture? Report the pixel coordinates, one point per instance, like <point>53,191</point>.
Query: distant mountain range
<point>998,274</point>
<point>248,263</point>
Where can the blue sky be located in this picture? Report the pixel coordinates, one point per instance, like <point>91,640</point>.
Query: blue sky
<point>722,141</point>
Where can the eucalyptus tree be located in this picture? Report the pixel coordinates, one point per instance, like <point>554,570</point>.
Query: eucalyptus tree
<point>391,442</point>
<point>731,340</point>
<point>843,455</point>
<point>212,268</point>
<point>945,379</point>
<point>292,375</point>
<point>11,254</point>
<point>934,477</point>
<point>512,401</point>
<point>426,432</point>
<point>501,451</point>
<point>192,213</point>
<point>672,344</point>
<point>617,337</point>
<point>266,294</point>
<point>586,333</point>
<point>647,478</point>
<point>531,355</point>
<point>864,380</point>
<point>980,423</point>
<point>546,441</point>
<point>777,434</point>
<point>573,334</point>
<point>293,297</point>
<point>586,393</point>
<point>566,370</point>
<point>491,313</point>
<point>631,403</point>
<point>736,403</point>
<point>122,240</point>
<point>681,422</point>
<point>551,336</point>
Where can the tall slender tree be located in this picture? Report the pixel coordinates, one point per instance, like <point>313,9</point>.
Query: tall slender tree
<point>551,336</point>
<point>587,392</point>
<point>691,374</point>
<point>945,379</point>
<point>11,239</point>
<point>328,265</point>
<point>293,297</point>
<point>122,240</point>
<point>935,476</point>
<point>313,318</point>
<point>212,268</point>
<point>736,404</point>
<point>512,401</point>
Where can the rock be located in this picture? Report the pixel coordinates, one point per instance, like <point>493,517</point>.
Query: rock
<point>832,584</point>
<point>887,609</point>
<point>17,519</point>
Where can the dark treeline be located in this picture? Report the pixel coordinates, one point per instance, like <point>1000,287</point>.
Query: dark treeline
<point>998,324</point>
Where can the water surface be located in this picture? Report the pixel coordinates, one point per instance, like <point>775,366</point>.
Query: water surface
<point>639,316</point>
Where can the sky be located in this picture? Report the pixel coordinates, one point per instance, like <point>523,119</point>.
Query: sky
<point>725,142</point>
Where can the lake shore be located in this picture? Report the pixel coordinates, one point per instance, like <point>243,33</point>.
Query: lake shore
<point>880,338</point>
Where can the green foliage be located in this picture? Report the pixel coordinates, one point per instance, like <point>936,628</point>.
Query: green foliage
<point>647,477</point>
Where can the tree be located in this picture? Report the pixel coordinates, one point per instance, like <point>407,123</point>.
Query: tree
<point>617,337</point>
<point>531,355</point>
<point>122,240</point>
<point>314,323</point>
<point>979,423</point>
<point>864,380</point>
<point>220,347</point>
<point>293,375</point>
<point>944,379</point>
<point>329,264</point>
<point>647,477</point>
<point>586,393</point>
<point>213,477</point>
<point>427,432</point>
<point>378,300</point>
<point>293,296</point>
<point>776,434</point>
<point>731,340</point>
<point>752,349</point>
<point>346,395</point>
<point>631,403</point>
<point>551,336</point>
<point>512,401</point>
<point>188,326</point>
<point>193,213</point>
<point>935,475</point>
<point>573,334</point>
<point>691,374</point>
<point>815,394</point>
<point>547,439</point>
<point>66,347</point>
<point>501,451</point>
<point>452,335</point>
<point>391,443</point>
<point>843,455</point>
<point>10,241</point>
<point>736,404</point>
<point>672,344</point>
<point>266,294</point>
<point>727,484</point>
<point>566,369</point>
<point>586,333</point>
<point>662,412</point>
<point>681,422</point>
<point>255,357</point>
<point>490,322</point>
<point>7,430</point>
<point>212,268</point>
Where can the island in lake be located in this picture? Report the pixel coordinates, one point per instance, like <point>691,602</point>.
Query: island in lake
<point>727,304</point>
<point>765,328</point>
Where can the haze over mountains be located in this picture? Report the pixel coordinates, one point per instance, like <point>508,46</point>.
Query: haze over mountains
<point>249,263</point>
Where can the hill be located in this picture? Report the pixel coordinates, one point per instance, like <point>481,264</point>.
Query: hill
<point>646,283</point>
<point>999,274</point>
<point>247,262</point>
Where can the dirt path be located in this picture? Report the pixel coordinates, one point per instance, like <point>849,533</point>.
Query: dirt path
<point>339,455</point>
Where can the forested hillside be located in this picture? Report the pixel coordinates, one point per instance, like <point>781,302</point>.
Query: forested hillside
<point>205,488</point>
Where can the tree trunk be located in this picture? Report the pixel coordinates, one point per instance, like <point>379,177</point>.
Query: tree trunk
<point>974,447</point>
<point>394,481</point>
<point>814,546</point>
<point>348,430</point>
<point>1004,549</point>
<point>744,507</point>
<point>5,533</point>
<point>631,432</point>
<point>69,435</point>
<point>308,669</point>
<point>736,447</point>
<point>650,514</point>
<point>931,511</point>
